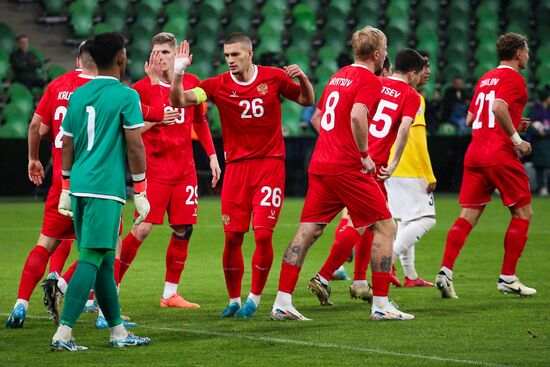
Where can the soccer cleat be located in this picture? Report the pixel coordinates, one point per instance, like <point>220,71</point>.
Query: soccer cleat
<point>361,291</point>
<point>101,323</point>
<point>445,285</point>
<point>58,345</point>
<point>418,282</point>
<point>247,310</point>
<point>393,278</point>
<point>281,313</point>
<point>52,297</point>
<point>177,301</point>
<point>515,287</point>
<point>389,313</point>
<point>340,274</point>
<point>94,307</point>
<point>17,317</point>
<point>130,341</point>
<point>230,310</point>
<point>321,290</point>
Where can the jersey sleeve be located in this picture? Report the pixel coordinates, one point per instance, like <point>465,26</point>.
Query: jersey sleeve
<point>289,88</point>
<point>369,93</point>
<point>411,104</point>
<point>44,108</point>
<point>154,111</point>
<point>510,89</point>
<point>210,86</point>
<point>131,111</point>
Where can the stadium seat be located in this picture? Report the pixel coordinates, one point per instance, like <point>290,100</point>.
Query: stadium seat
<point>324,72</point>
<point>82,7</point>
<point>177,27</point>
<point>296,55</point>
<point>16,129</point>
<point>54,7</point>
<point>274,7</point>
<point>4,65</point>
<point>81,24</point>
<point>114,17</point>
<point>147,21</point>
<point>427,9</point>
<point>135,67</point>
<point>7,38</point>
<point>55,70</point>
<point>240,22</point>
<point>102,28</point>
<point>269,45</point>
<point>291,113</point>
<point>214,119</point>
<point>154,5</point>
<point>447,129</point>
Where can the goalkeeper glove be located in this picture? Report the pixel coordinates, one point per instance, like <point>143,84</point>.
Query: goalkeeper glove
<point>140,201</point>
<point>64,206</point>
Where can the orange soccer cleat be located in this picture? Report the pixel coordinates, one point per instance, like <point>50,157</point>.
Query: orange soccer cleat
<point>177,301</point>
<point>418,282</point>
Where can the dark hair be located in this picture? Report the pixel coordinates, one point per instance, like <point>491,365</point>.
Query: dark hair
<point>84,47</point>
<point>387,64</point>
<point>20,37</point>
<point>409,60</point>
<point>237,37</point>
<point>105,47</point>
<point>508,44</point>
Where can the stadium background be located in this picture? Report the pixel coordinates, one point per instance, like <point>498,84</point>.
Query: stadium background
<point>459,36</point>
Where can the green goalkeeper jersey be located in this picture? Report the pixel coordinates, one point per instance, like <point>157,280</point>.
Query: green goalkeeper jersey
<point>97,115</point>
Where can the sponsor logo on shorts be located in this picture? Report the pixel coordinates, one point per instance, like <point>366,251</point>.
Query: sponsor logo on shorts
<point>262,89</point>
<point>226,219</point>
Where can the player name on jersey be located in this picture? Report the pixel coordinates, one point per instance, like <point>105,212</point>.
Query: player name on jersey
<point>390,92</point>
<point>489,82</point>
<point>65,95</point>
<point>342,82</point>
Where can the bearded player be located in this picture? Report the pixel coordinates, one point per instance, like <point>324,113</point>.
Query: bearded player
<point>248,100</point>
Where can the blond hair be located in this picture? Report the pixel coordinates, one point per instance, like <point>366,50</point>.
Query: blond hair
<point>365,41</point>
<point>163,38</point>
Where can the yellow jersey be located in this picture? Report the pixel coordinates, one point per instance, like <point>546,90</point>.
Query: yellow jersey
<point>415,161</point>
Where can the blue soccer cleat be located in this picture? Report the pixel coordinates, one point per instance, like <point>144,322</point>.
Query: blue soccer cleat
<point>247,311</point>
<point>65,346</point>
<point>340,274</point>
<point>230,310</point>
<point>17,317</point>
<point>92,308</point>
<point>101,323</point>
<point>130,341</point>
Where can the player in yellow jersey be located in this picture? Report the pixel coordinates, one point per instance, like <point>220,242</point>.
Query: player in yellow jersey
<point>410,194</point>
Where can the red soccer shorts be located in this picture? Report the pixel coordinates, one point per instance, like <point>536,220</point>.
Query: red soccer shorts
<point>508,177</point>
<point>55,224</point>
<point>179,201</point>
<point>252,187</point>
<point>359,193</point>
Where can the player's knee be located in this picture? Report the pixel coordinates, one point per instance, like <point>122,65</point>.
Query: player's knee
<point>142,230</point>
<point>523,212</point>
<point>386,228</point>
<point>183,232</point>
<point>263,235</point>
<point>233,239</point>
<point>428,223</point>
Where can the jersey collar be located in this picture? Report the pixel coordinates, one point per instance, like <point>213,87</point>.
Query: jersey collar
<point>251,79</point>
<point>361,66</point>
<point>163,84</point>
<point>86,76</point>
<point>397,78</point>
<point>505,67</point>
<point>105,77</point>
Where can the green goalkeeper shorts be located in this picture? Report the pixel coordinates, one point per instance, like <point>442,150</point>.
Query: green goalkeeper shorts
<point>96,222</point>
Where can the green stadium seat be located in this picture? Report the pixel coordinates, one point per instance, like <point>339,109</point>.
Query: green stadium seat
<point>207,44</point>
<point>102,28</point>
<point>81,24</point>
<point>141,40</point>
<point>240,22</point>
<point>447,129</point>
<point>519,10</point>
<point>327,53</point>
<point>324,72</point>
<point>24,103</point>
<point>427,9</point>
<point>214,118</point>
<point>82,6</point>
<point>7,38</point>
<point>4,66</point>
<point>275,7</point>
<point>117,20</point>
<point>343,6</point>
<point>147,21</point>
<point>135,67</point>
<point>54,7</point>
<point>543,73</point>
<point>16,129</point>
<point>335,41</point>
<point>296,55</point>
<point>302,40</point>
<point>177,28</point>
<point>291,113</point>
<point>55,71</point>
<point>154,5</point>
<point>269,45</point>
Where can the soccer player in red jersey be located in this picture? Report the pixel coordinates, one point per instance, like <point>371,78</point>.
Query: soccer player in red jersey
<point>395,112</point>
<point>341,174</point>
<point>248,100</point>
<point>56,227</point>
<point>171,174</point>
<point>492,162</point>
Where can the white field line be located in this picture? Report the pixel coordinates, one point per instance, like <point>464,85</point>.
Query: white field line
<point>312,344</point>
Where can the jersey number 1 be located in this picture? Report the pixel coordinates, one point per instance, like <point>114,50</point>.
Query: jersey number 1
<point>90,110</point>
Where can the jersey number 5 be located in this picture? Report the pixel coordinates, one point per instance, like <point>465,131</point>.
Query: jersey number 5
<point>381,116</point>
<point>480,104</point>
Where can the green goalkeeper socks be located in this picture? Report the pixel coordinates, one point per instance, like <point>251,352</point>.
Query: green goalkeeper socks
<point>106,292</point>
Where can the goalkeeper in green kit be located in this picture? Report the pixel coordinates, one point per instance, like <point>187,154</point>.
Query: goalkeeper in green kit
<point>101,127</point>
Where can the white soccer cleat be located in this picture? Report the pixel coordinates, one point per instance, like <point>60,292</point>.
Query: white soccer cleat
<point>281,313</point>
<point>389,313</point>
<point>445,286</point>
<point>515,287</point>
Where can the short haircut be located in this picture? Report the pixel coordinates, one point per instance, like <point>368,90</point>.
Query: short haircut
<point>365,41</point>
<point>408,60</point>
<point>20,37</point>
<point>164,38</point>
<point>386,66</point>
<point>238,37</point>
<point>508,44</point>
<point>84,53</point>
<point>105,47</point>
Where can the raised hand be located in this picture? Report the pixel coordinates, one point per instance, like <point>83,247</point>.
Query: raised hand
<point>153,67</point>
<point>183,58</point>
<point>294,71</point>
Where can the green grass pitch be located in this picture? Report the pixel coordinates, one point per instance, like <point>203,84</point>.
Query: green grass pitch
<point>482,328</point>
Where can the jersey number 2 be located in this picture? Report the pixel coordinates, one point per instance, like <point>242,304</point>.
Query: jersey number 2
<point>480,104</point>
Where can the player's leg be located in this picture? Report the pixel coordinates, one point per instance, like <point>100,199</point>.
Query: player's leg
<point>233,270</point>
<point>59,256</point>
<point>513,185</point>
<point>360,287</point>
<point>33,270</point>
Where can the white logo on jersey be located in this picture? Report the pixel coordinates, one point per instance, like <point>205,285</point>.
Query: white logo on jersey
<point>234,94</point>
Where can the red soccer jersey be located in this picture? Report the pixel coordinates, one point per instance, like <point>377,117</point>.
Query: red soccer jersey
<point>250,113</point>
<point>398,100</point>
<point>336,151</point>
<point>169,149</point>
<point>490,144</point>
<point>53,108</point>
